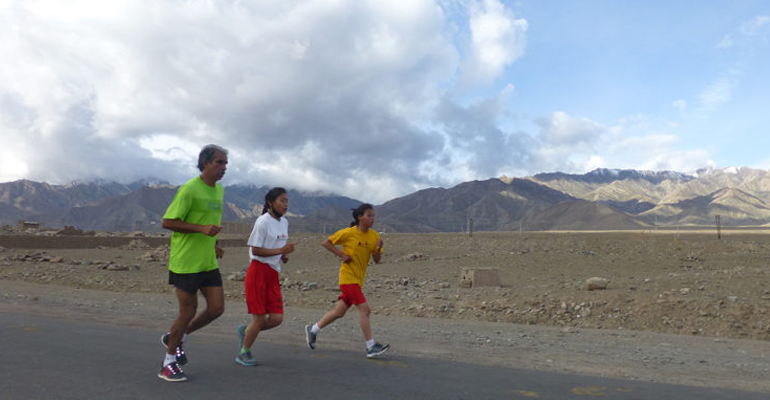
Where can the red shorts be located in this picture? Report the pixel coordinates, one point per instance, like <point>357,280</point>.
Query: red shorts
<point>263,291</point>
<point>352,294</point>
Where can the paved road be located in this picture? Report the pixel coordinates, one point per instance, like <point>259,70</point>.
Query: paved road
<point>59,359</point>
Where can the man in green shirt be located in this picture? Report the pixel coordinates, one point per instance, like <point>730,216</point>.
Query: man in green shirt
<point>195,219</point>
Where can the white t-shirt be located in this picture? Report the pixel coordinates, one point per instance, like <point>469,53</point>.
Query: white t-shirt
<point>269,234</point>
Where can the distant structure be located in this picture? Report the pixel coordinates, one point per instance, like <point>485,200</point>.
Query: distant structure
<point>69,230</point>
<point>25,225</point>
<point>236,228</point>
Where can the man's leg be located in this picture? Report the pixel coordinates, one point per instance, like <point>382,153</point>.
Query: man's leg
<point>215,306</point>
<point>188,304</point>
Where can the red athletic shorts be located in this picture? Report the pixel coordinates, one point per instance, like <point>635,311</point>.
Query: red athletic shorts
<point>352,294</point>
<point>263,291</point>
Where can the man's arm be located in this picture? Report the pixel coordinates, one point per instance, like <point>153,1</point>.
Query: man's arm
<point>177,225</point>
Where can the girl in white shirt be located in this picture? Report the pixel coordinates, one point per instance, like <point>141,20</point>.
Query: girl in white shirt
<point>268,247</point>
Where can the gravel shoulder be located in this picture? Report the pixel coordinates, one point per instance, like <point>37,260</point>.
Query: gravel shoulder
<point>636,355</point>
<point>681,308</point>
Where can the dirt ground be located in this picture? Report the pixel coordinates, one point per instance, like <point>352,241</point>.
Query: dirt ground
<point>679,307</point>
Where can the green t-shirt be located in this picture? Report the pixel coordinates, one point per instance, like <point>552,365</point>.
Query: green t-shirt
<point>197,203</point>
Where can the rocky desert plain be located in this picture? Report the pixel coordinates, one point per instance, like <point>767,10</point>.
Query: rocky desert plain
<point>682,307</point>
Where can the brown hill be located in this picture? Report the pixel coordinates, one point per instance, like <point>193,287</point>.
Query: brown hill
<point>489,205</point>
<point>582,215</point>
<point>623,199</point>
<point>734,206</point>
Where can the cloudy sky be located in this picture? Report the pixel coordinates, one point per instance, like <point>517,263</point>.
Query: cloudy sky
<point>378,99</point>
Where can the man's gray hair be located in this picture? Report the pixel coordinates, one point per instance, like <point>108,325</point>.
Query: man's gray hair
<point>207,154</point>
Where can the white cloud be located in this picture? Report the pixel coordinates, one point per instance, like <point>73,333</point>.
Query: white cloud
<point>763,164</point>
<point>564,130</point>
<point>170,148</point>
<point>755,25</point>
<point>115,86</point>
<point>727,41</point>
<point>747,30</point>
<point>680,105</point>
<point>366,98</point>
<point>578,145</point>
<point>595,162</point>
<point>12,166</point>
<point>717,93</point>
<point>655,151</point>
<point>672,160</point>
<point>498,39</point>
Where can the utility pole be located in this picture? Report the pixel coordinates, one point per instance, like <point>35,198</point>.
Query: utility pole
<point>470,223</point>
<point>718,219</point>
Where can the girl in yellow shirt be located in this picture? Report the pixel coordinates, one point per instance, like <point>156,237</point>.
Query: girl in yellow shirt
<point>359,242</point>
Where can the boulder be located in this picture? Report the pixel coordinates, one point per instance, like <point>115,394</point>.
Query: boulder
<point>596,283</point>
<point>479,277</point>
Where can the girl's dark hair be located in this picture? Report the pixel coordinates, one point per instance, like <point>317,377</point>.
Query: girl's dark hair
<point>357,212</point>
<point>271,196</point>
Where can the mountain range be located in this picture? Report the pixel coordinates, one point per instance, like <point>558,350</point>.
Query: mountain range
<point>607,199</point>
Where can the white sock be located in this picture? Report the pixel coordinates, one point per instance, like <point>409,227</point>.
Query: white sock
<point>169,359</point>
<point>369,343</point>
<point>315,328</point>
<point>184,337</point>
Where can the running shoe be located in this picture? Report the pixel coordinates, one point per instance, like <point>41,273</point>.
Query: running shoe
<point>377,350</point>
<point>181,357</point>
<point>241,335</point>
<point>310,336</point>
<point>246,359</point>
<point>172,373</point>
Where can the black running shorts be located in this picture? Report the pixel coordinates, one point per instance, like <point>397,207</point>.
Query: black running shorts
<point>191,283</point>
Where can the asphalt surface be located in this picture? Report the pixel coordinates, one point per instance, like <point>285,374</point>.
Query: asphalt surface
<point>45,358</point>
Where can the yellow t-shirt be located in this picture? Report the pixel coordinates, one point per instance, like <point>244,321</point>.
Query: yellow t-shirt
<point>358,245</point>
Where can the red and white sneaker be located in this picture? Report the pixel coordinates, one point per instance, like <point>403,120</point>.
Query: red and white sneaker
<point>172,373</point>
